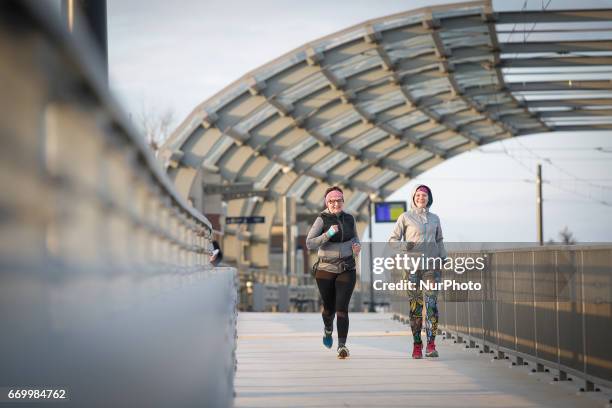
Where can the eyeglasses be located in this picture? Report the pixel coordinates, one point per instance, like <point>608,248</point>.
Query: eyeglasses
<point>335,201</point>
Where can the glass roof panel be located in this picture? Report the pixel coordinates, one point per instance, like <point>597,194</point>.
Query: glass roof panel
<point>264,178</point>
<point>561,95</point>
<point>290,154</point>
<point>449,106</point>
<point>480,78</point>
<point>345,119</point>
<point>300,186</point>
<point>429,88</point>
<point>580,122</point>
<point>598,107</point>
<point>412,47</point>
<point>550,109</point>
<point>330,161</point>
<point>218,149</point>
<point>366,139</point>
<point>261,114</point>
<point>432,131</point>
<point>456,39</point>
<point>483,131</point>
<point>528,36</point>
<point>452,142</point>
<point>462,120</point>
<point>354,65</point>
<point>526,124</point>
<point>602,118</point>
<point>492,98</point>
<point>220,100</point>
<point>309,85</point>
<point>565,26</point>
<point>409,120</point>
<point>383,102</point>
<point>554,77</point>
<point>382,178</point>
<point>356,200</point>
<point>270,70</point>
<point>557,70</point>
<point>339,39</point>
<point>457,12</point>
<point>531,55</point>
<point>398,22</point>
<point>504,112</point>
<point>416,158</point>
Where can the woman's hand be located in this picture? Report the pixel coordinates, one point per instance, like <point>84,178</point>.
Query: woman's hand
<point>356,249</point>
<point>213,256</point>
<point>408,246</point>
<point>332,230</point>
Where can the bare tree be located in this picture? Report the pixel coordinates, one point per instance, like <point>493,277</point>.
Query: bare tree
<point>567,237</point>
<point>155,126</point>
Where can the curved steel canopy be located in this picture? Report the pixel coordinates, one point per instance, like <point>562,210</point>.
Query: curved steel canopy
<point>375,105</point>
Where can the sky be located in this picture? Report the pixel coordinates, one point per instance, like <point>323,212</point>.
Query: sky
<point>172,56</point>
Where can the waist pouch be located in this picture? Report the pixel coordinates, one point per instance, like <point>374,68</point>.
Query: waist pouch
<point>341,264</point>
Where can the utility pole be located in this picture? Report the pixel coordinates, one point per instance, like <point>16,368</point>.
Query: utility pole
<point>539,205</point>
<point>371,309</point>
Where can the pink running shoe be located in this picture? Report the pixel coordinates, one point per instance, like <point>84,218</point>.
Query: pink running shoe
<point>431,351</point>
<point>417,350</point>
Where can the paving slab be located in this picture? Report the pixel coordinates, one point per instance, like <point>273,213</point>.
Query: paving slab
<point>282,363</point>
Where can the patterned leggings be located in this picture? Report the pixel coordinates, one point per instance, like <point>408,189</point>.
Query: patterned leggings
<point>431,306</point>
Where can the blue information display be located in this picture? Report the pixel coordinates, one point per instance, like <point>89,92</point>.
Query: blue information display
<point>245,220</point>
<point>389,211</point>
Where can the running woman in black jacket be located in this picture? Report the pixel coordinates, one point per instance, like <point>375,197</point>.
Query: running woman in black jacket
<point>334,235</point>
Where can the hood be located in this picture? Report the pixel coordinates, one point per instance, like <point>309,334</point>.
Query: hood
<point>413,192</point>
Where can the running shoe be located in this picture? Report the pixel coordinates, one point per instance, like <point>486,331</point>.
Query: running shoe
<point>343,352</point>
<point>431,351</point>
<point>417,350</point>
<point>328,340</point>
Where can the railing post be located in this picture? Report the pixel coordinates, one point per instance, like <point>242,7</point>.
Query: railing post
<point>588,385</point>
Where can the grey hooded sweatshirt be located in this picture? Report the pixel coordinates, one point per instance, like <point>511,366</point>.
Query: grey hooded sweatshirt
<point>420,228</point>
<point>318,239</point>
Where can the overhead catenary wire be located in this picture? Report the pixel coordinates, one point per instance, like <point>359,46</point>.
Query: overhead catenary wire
<point>561,169</point>
<point>505,150</point>
<point>556,186</point>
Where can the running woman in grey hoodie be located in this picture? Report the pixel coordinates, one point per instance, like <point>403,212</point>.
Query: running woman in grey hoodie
<point>420,230</point>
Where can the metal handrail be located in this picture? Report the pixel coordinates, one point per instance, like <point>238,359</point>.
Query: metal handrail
<point>106,288</point>
<point>551,305</point>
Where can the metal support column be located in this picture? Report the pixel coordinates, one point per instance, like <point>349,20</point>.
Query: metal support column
<point>288,207</point>
<point>371,308</point>
<point>539,205</point>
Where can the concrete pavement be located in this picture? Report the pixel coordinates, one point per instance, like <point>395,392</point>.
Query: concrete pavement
<point>282,363</point>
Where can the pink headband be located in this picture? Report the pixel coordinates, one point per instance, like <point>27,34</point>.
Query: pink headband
<point>333,195</point>
<point>423,189</point>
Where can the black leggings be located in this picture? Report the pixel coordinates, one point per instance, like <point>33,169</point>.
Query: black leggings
<point>336,290</point>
